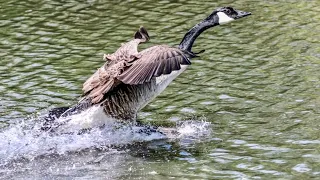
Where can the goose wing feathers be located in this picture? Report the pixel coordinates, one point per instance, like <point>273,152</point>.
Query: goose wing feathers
<point>129,66</point>
<point>154,62</point>
<point>104,79</point>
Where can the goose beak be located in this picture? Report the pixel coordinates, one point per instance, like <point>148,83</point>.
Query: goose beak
<point>242,14</point>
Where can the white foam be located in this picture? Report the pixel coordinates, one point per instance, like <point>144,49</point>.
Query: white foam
<point>90,118</point>
<point>194,128</point>
<point>25,140</point>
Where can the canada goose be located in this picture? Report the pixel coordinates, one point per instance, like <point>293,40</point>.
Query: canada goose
<point>129,79</point>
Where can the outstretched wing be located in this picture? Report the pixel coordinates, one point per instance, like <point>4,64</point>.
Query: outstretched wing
<point>154,62</point>
<point>104,79</point>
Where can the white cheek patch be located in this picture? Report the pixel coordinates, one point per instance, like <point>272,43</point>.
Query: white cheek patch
<point>223,18</point>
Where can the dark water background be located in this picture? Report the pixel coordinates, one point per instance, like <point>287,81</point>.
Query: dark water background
<point>258,83</point>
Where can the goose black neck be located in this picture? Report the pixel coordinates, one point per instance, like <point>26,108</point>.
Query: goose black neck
<point>193,33</point>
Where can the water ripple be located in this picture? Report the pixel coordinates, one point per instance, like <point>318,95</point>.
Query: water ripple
<point>257,83</point>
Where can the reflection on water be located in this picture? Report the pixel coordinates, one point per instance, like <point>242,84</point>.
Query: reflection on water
<point>257,83</point>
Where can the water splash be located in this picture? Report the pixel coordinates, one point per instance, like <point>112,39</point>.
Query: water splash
<point>26,141</point>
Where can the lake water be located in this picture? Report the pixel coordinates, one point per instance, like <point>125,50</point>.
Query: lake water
<point>247,108</point>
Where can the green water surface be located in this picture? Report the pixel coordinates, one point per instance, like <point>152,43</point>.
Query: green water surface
<point>258,83</point>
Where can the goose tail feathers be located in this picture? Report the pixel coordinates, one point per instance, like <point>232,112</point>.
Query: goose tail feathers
<point>142,34</point>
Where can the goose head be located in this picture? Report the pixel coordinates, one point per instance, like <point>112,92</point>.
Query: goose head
<point>217,17</point>
<point>224,15</point>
